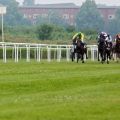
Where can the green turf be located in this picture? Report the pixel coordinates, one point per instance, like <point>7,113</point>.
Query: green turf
<point>59,91</point>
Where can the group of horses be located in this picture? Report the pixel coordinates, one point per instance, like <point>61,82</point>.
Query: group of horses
<point>106,51</point>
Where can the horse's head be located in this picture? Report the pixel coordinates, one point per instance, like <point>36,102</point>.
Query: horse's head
<point>78,42</point>
<point>109,45</point>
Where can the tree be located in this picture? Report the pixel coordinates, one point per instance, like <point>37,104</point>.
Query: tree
<point>44,31</point>
<point>13,16</point>
<point>89,17</point>
<point>70,28</point>
<point>28,2</point>
<point>55,18</point>
<point>52,18</point>
<point>114,24</point>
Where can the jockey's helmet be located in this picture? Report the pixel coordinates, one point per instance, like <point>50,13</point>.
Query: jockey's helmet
<point>103,35</point>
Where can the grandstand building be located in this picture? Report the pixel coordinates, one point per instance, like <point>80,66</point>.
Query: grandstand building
<point>67,11</point>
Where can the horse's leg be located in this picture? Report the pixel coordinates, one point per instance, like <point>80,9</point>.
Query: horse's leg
<point>86,53</point>
<point>102,57</point>
<point>82,57</point>
<point>77,57</point>
<point>72,55</point>
<point>108,56</point>
<point>117,57</point>
<point>114,56</point>
<point>98,55</point>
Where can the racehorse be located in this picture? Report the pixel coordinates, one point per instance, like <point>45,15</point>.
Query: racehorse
<point>104,50</point>
<point>80,51</point>
<point>116,50</point>
<point>108,51</point>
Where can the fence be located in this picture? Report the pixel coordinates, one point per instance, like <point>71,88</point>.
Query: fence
<point>41,51</point>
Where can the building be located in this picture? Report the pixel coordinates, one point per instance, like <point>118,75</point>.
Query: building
<point>107,12</point>
<point>67,11</point>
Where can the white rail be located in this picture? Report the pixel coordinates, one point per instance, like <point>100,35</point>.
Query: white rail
<point>38,51</point>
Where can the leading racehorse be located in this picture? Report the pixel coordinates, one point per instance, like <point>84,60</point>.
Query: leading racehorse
<point>80,50</point>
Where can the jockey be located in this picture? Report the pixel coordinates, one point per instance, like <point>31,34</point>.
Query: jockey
<point>109,40</point>
<point>117,38</point>
<point>102,36</point>
<point>106,37</point>
<point>78,36</point>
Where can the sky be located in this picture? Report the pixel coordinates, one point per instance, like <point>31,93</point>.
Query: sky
<point>77,2</point>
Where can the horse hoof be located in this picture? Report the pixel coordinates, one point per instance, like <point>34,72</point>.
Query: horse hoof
<point>107,62</point>
<point>102,62</point>
<point>83,62</point>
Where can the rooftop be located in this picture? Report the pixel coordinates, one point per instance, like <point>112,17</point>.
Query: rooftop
<point>66,5</point>
<point>60,5</point>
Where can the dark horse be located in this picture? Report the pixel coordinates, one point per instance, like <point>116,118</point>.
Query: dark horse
<point>80,50</point>
<point>116,50</point>
<point>104,50</point>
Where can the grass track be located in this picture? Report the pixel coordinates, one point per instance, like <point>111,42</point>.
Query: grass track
<point>59,91</point>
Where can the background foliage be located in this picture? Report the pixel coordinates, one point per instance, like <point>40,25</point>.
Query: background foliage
<point>53,29</point>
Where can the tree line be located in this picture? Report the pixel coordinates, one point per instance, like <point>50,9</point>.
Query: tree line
<point>88,20</point>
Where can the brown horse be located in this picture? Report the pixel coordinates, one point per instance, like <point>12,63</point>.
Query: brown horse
<point>117,48</point>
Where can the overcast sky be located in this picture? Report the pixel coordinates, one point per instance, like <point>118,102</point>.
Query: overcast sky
<point>77,2</point>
